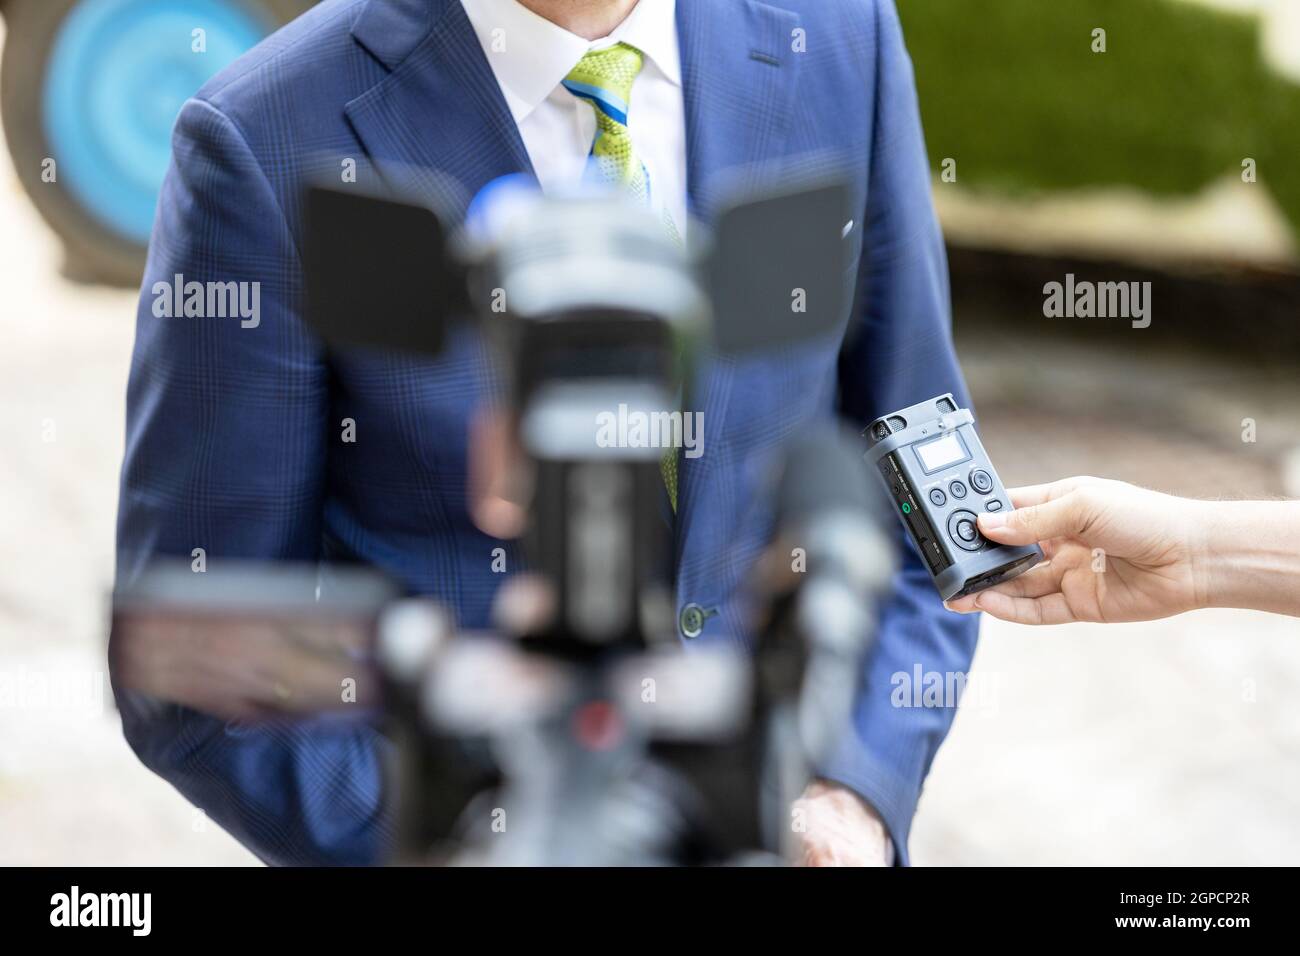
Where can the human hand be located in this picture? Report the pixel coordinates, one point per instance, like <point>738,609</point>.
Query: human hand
<point>244,666</point>
<point>1115,552</point>
<point>839,829</point>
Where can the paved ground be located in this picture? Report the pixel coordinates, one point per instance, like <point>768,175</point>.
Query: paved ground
<point>1170,743</point>
<point>70,789</point>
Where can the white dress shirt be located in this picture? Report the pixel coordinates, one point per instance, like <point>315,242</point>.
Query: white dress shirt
<point>530,55</point>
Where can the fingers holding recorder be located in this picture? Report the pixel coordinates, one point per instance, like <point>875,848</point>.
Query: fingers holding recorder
<point>1043,514</point>
<point>1033,598</point>
<point>1115,552</point>
<point>1039,516</point>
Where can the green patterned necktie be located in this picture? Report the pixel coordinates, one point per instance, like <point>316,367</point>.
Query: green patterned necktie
<point>604,79</point>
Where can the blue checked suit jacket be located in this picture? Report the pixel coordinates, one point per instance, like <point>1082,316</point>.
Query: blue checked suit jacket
<point>233,434</point>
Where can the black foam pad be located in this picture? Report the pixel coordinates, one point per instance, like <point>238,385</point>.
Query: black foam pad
<point>766,249</point>
<point>378,272</point>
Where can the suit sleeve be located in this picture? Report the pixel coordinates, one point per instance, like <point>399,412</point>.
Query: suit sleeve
<point>900,352</point>
<point>225,451</point>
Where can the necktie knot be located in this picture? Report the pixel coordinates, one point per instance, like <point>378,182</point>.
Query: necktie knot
<point>604,78</point>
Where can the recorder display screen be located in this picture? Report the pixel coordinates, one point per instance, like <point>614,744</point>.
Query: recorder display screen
<point>941,453</point>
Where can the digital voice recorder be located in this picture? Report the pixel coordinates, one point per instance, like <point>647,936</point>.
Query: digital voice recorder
<point>940,479</point>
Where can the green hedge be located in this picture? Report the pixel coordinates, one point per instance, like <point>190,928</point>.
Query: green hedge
<point>1012,90</point>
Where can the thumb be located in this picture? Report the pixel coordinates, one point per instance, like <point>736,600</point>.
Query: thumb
<point>1062,517</point>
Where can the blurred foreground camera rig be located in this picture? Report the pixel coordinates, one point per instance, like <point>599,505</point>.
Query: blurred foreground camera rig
<point>585,733</point>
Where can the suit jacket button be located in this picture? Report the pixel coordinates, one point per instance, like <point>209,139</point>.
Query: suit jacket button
<point>692,620</point>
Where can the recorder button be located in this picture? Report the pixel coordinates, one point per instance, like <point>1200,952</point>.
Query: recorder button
<point>963,531</point>
<point>938,498</point>
<point>981,481</point>
<point>993,505</point>
<point>957,489</point>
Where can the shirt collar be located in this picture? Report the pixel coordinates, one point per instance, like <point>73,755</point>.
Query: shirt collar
<point>651,27</point>
<point>530,55</point>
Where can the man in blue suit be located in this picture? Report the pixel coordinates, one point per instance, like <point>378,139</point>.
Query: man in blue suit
<point>236,434</point>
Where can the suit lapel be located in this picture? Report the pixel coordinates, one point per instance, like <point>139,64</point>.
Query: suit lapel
<point>436,126</point>
<point>739,78</point>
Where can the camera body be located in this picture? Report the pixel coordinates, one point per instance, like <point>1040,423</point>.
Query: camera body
<point>940,479</point>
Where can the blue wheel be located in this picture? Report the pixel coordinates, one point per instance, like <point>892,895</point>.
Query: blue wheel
<point>99,84</point>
